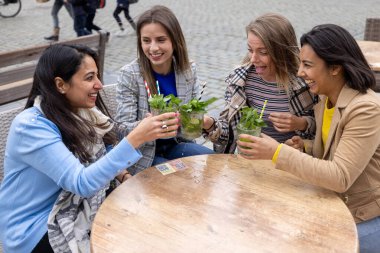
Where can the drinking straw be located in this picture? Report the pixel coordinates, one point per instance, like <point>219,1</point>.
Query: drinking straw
<point>147,89</point>
<point>202,90</point>
<point>158,88</point>
<point>262,110</point>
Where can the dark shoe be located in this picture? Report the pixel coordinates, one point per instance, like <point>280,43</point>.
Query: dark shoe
<point>52,37</point>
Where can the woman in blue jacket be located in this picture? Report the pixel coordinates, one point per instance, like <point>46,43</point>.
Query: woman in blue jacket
<point>56,168</point>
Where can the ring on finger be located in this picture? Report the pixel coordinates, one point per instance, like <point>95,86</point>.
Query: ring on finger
<point>164,126</point>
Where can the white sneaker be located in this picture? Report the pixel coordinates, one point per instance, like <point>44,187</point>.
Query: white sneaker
<point>121,33</point>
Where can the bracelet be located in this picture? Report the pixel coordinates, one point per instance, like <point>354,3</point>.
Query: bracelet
<point>122,178</point>
<point>212,125</point>
<point>125,174</point>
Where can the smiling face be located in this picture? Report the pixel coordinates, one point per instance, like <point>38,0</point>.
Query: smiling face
<point>157,47</point>
<point>82,89</point>
<point>315,71</point>
<point>321,78</point>
<point>260,58</point>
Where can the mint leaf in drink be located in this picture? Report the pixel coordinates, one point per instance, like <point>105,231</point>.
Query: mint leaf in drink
<point>194,105</point>
<point>192,117</point>
<point>157,101</point>
<point>250,118</point>
<point>169,103</point>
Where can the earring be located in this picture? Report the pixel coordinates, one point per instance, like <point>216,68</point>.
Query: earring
<point>62,91</point>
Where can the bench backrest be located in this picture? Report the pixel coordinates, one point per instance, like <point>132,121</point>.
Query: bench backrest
<point>372,29</point>
<point>6,118</point>
<point>109,97</point>
<point>17,67</point>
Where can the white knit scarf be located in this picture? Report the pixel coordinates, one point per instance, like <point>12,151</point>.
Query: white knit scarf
<point>70,220</point>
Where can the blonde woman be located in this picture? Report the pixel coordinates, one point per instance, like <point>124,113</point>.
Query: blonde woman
<point>268,72</point>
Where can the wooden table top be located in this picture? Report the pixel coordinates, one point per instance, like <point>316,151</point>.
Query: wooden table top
<point>371,51</point>
<point>222,203</point>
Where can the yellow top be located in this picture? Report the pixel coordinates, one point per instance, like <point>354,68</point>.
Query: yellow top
<point>327,117</point>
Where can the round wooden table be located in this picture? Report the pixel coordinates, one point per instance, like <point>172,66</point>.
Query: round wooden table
<point>222,203</point>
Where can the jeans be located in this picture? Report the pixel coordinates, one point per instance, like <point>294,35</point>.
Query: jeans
<point>80,25</point>
<point>169,150</point>
<point>369,235</point>
<point>56,8</point>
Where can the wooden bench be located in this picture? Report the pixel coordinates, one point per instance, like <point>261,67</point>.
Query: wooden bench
<point>17,67</point>
<point>16,77</point>
<point>372,29</point>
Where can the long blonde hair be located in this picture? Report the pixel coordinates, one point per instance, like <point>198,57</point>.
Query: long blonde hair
<point>280,40</point>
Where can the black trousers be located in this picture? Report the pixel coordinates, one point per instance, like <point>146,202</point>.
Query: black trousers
<point>43,245</point>
<point>125,9</point>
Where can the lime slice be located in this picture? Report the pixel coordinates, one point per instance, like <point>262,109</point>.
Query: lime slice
<point>194,121</point>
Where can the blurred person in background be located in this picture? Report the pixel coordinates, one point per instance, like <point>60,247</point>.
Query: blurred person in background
<point>123,6</point>
<point>54,13</point>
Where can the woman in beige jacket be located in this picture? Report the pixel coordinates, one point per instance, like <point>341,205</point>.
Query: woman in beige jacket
<point>345,154</point>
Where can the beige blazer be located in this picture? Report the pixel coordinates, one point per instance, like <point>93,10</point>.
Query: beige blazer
<point>350,162</point>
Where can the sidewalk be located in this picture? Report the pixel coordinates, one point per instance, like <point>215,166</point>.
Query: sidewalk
<point>214,30</point>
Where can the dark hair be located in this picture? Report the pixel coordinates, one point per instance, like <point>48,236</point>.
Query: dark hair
<point>164,16</point>
<point>336,46</point>
<point>64,61</point>
<point>277,34</point>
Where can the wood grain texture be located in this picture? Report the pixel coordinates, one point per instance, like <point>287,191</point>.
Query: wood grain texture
<point>371,51</point>
<point>222,203</point>
<point>17,66</point>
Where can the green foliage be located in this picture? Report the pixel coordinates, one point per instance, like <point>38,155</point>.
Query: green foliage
<point>194,105</point>
<point>192,117</point>
<point>168,103</point>
<point>173,103</point>
<point>250,118</point>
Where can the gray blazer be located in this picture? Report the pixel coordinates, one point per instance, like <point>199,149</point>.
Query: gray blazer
<point>349,163</point>
<point>132,100</point>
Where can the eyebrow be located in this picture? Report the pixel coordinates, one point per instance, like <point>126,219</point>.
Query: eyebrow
<point>307,61</point>
<point>158,37</point>
<point>90,73</point>
<point>259,48</point>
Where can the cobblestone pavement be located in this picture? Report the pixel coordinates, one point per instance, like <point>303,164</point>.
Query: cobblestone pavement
<point>214,29</point>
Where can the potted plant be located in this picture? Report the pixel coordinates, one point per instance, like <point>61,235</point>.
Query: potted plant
<point>191,116</point>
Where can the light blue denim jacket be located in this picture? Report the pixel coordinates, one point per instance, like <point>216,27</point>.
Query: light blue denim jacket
<point>37,166</point>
